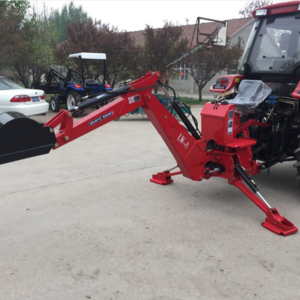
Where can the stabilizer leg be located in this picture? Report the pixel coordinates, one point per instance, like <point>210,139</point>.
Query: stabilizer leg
<point>274,221</point>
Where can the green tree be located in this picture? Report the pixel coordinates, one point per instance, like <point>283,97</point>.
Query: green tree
<point>20,6</point>
<point>69,15</point>
<point>12,16</point>
<point>246,12</point>
<point>92,36</point>
<point>34,53</point>
<point>162,46</point>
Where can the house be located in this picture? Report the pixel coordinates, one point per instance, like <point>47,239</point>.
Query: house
<point>238,31</point>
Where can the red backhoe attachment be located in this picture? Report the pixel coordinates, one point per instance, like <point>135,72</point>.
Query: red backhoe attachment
<point>222,150</point>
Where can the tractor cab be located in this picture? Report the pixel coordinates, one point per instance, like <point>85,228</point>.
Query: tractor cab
<point>271,63</point>
<point>272,53</point>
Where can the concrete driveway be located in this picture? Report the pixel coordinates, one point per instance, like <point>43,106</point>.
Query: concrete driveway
<point>85,222</point>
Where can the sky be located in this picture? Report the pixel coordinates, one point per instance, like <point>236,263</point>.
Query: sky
<point>134,15</point>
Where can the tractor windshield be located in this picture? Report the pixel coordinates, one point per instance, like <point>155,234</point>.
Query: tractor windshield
<point>275,46</point>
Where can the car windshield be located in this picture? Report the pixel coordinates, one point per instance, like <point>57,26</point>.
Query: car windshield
<point>277,44</point>
<point>7,84</point>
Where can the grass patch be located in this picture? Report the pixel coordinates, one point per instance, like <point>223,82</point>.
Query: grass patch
<point>188,100</point>
<point>193,101</point>
<point>48,97</point>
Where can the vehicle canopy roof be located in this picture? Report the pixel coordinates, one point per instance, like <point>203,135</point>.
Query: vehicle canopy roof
<point>279,8</point>
<point>87,55</point>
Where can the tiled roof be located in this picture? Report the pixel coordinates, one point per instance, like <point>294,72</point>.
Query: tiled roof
<point>234,25</point>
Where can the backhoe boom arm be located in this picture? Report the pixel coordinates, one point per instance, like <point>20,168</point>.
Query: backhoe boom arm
<point>137,94</point>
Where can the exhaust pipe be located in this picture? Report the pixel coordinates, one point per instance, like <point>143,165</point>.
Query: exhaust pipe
<point>22,137</point>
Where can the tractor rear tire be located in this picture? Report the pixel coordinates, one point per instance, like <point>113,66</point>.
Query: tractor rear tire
<point>73,100</point>
<point>297,155</point>
<point>54,104</point>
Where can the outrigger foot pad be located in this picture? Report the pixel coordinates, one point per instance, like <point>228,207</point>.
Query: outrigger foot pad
<point>162,178</point>
<point>21,137</point>
<point>278,224</point>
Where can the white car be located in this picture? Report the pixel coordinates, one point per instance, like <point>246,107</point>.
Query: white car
<point>14,97</point>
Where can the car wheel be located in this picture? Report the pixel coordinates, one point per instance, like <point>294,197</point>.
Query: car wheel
<point>54,104</point>
<point>73,100</point>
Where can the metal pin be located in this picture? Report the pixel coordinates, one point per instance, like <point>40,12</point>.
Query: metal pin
<point>213,171</point>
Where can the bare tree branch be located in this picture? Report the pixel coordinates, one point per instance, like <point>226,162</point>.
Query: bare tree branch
<point>246,12</point>
<point>206,62</point>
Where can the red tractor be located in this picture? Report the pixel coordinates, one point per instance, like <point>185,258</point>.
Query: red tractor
<point>251,130</point>
<point>272,55</point>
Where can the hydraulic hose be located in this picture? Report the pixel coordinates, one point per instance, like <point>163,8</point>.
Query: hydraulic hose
<point>101,98</point>
<point>180,113</point>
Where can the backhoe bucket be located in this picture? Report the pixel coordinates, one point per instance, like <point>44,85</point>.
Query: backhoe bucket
<point>22,137</point>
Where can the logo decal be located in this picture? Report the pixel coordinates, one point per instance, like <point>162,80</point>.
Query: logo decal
<point>133,99</point>
<point>181,139</point>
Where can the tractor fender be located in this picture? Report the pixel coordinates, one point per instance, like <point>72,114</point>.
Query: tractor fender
<point>72,88</point>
